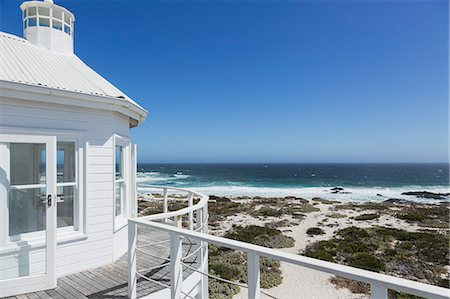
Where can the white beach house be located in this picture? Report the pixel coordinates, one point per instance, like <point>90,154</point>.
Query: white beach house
<point>66,159</point>
<point>68,205</point>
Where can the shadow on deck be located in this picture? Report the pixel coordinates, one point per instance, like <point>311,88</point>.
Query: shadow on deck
<point>111,281</point>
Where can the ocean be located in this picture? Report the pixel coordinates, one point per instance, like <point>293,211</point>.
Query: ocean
<point>361,182</point>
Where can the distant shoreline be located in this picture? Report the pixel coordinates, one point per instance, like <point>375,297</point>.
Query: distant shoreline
<point>362,194</point>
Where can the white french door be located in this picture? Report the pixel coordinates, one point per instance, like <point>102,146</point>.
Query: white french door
<point>27,213</point>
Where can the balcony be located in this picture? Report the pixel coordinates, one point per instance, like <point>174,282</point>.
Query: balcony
<point>188,271</point>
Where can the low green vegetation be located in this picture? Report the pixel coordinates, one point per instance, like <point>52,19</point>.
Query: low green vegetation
<point>313,231</point>
<point>325,201</point>
<point>232,265</point>
<point>336,215</point>
<point>267,212</point>
<point>260,235</point>
<point>365,217</point>
<point>427,216</point>
<point>411,255</point>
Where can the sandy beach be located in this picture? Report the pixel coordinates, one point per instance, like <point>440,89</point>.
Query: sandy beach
<point>330,217</point>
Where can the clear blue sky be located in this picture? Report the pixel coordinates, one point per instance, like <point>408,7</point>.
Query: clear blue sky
<point>357,81</point>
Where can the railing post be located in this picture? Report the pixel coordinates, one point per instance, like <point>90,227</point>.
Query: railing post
<point>202,259</point>
<point>191,213</point>
<point>165,207</point>
<point>253,275</point>
<point>132,238</point>
<point>378,291</point>
<point>176,269</point>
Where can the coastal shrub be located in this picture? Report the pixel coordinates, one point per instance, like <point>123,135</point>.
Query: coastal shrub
<point>356,287</point>
<point>366,261</point>
<point>221,290</point>
<point>367,217</point>
<point>412,255</point>
<point>281,223</point>
<point>312,231</point>
<point>260,235</point>
<point>301,208</point>
<point>322,250</point>
<point>436,216</point>
<point>232,265</point>
<point>267,212</point>
<point>336,215</point>
<point>325,201</point>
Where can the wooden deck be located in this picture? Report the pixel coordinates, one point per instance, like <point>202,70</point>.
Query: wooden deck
<point>111,281</point>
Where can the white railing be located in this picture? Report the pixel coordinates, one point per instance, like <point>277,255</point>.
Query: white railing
<point>197,221</point>
<point>379,283</point>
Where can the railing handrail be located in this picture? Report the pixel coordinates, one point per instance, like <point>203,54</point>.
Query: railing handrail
<point>388,282</point>
<point>202,202</point>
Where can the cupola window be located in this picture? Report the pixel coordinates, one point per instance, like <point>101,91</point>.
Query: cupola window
<point>57,24</point>
<point>44,22</point>
<point>44,11</point>
<point>32,22</point>
<point>46,17</point>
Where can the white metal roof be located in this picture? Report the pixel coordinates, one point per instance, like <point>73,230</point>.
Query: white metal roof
<point>24,62</point>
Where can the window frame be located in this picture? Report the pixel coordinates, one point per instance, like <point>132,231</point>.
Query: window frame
<point>68,233</point>
<point>121,220</point>
<point>66,27</point>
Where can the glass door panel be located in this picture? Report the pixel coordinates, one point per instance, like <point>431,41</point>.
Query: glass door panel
<point>28,219</point>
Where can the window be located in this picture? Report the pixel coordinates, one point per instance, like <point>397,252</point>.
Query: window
<point>119,185</point>
<point>66,184</point>
<point>32,22</point>
<point>67,29</point>
<point>44,22</point>
<point>32,11</point>
<point>26,202</point>
<point>57,14</point>
<point>57,25</point>
<point>44,11</point>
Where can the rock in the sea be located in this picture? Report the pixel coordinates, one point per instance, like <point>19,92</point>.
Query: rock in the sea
<point>426,194</point>
<point>339,190</point>
<point>397,201</point>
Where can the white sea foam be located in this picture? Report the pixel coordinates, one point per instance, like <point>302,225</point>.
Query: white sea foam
<point>145,179</point>
<point>352,194</point>
<point>155,177</point>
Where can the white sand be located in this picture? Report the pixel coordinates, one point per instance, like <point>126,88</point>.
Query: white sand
<point>300,282</point>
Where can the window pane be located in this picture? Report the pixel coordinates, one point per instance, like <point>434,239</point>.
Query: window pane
<point>27,210</point>
<point>66,162</point>
<point>119,162</point>
<point>57,14</point>
<point>67,19</point>
<point>32,11</point>
<point>44,11</point>
<point>44,22</point>
<point>25,13</point>
<point>65,205</point>
<point>25,24</point>
<point>57,25</point>
<point>32,22</point>
<point>27,164</point>
<point>118,199</point>
<point>67,29</point>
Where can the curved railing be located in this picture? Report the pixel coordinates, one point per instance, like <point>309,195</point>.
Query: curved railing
<point>196,285</point>
<point>194,218</point>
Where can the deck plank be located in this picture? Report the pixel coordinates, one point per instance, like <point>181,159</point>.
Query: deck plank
<point>111,281</point>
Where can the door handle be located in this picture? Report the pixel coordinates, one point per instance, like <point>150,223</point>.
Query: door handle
<point>49,200</point>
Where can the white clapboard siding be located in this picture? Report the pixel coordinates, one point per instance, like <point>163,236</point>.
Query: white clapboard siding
<point>100,243</point>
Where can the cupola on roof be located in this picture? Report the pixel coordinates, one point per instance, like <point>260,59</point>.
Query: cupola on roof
<point>48,25</point>
<point>45,59</point>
